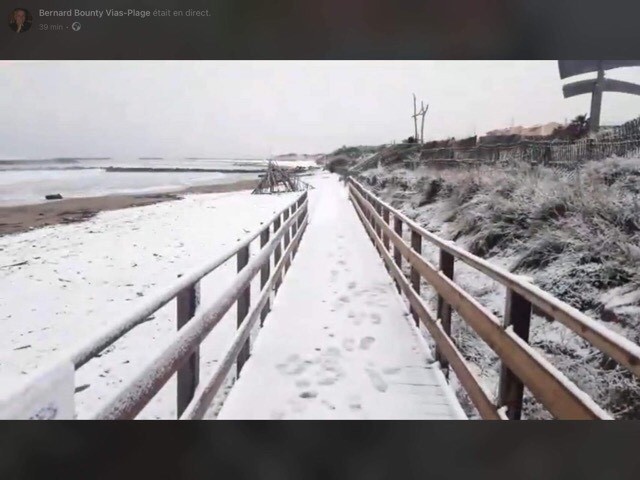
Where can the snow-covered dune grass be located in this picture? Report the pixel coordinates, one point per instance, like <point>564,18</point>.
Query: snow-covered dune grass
<point>576,234</point>
<point>62,284</point>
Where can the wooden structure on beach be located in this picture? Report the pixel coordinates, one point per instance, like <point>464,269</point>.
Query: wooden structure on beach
<point>277,180</point>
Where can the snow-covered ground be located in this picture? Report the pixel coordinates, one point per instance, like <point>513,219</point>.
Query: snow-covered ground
<point>339,342</point>
<point>82,277</point>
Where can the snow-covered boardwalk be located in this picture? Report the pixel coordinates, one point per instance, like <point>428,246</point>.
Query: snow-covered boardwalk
<point>339,342</point>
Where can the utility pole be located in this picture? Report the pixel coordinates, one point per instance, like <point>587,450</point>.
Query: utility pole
<point>415,118</point>
<point>423,112</point>
<point>416,114</point>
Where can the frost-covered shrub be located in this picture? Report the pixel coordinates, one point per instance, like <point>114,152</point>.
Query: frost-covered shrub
<point>431,191</point>
<point>575,233</point>
<point>541,251</point>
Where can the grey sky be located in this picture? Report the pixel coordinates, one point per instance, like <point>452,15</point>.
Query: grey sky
<point>212,108</point>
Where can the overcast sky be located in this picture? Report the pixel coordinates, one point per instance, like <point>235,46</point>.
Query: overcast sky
<point>211,108</point>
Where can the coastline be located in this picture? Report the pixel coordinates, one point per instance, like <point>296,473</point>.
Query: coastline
<point>22,218</point>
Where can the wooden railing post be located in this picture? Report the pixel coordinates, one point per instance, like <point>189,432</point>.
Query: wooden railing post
<point>294,225</point>
<point>294,230</point>
<point>287,231</point>
<point>265,273</point>
<point>277,254</point>
<point>187,302</point>
<point>374,210</point>
<point>517,314</point>
<point>369,214</point>
<point>416,245</point>
<point>244,302</point>
<point>287,239</point>
<point>385,237</point>
<point>444,309</point>
<point>397,255</point>
<point>379,212</point>
<point>300,217</point>
<point>299,205</point>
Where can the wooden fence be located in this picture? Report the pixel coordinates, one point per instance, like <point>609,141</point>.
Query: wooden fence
<point>279,239</point>
<point>522,366</point>
<point>621,140</point>
<point>556,153</point>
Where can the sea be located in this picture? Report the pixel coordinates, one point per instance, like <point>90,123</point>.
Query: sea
<point>25,182</point>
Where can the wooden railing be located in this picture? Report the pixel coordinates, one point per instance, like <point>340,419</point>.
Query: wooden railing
<point>522,366</point>
<point>279,238</point>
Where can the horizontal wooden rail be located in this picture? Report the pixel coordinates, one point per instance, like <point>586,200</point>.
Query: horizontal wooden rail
<point>139,391</point>
<point>476,392</point>
<point>621,349</point>
<point>208,390</point>
<point>556,392</point>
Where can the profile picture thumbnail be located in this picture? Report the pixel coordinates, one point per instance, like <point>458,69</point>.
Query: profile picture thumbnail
<point>20,20</point>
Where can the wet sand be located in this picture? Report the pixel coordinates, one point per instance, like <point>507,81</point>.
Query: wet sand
<point>22,218</point>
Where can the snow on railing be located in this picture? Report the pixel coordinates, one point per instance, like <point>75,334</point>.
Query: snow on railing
<point>154,302</point>
<point>282,232</point>
<point>130,400</point>
<point>521,364</point>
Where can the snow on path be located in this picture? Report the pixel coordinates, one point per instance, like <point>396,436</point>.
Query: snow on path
<point>339,342</point>
<point>81,277</point>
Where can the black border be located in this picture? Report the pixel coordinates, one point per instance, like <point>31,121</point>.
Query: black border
<point>533,30</point>
<point>336,29</point>
<point>322,450</point>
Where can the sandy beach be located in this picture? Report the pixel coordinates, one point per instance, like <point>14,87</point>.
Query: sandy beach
<point>22,218</point>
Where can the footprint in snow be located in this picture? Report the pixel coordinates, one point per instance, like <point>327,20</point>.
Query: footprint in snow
<point>355,403</point>
<point>377,381</point>
<point>333,351</point>
<point>390,370</point>
<point>366,342</point>
<point>328,381</point>
<point>292,366</point>
<point>348,344</point>
<point>331,372</point>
